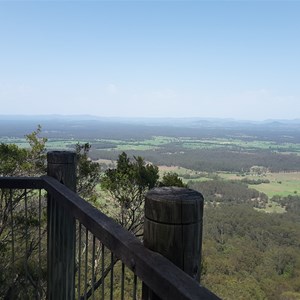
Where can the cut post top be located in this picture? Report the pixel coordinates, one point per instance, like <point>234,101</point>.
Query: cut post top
<point>174,205</point>
<point>61,157</point>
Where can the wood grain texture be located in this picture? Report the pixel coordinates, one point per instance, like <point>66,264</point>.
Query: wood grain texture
<point>21,183</point>
<point>62,166</point>
<point>173,228</point>
<point>158,273</point>
<point>61,229</point>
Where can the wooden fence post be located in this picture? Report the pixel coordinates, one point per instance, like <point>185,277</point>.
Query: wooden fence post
<point>61,230</point>
<point>173,227</point>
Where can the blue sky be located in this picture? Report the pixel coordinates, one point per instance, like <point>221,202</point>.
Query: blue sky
<point>226,59</point>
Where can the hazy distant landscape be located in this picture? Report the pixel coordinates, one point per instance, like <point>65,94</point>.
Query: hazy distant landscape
<point>195,148</point>
<point>205,93</point>
<point>248,172</point>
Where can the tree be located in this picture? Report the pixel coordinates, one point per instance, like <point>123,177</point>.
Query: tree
<point>128,184</point>
<point>12,160</point>
<point>22,280</point>
<point>36,157</point>
<point>87,173</point>
<point>172,179</point>
<point>14,226</point>
<point>16,161</point>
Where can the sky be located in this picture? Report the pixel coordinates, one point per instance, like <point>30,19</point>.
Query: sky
<point>206,59</point>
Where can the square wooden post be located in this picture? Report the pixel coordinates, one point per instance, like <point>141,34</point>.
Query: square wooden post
<point>61,230</point>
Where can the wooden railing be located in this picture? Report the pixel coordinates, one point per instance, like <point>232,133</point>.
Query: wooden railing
<point>76,251</point>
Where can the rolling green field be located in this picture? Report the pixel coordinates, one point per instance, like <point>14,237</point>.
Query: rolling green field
<point>240,144</point>
<point>158,141</point>
<point>193,143</point>
<point>282,183</point>
<point>52,144</point>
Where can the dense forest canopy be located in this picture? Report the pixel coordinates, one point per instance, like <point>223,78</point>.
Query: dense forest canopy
<point>251,255</point>
<point>213,160</point>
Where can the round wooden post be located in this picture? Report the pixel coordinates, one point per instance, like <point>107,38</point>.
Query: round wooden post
<point>173,227</point>
<point>61,230</point>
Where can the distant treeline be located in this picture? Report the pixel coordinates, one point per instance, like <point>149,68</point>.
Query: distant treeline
<point>235,192</point>
<point>290,203</point>
<point>124,130</point>
<point>231,158</point>
<point>212,160</point>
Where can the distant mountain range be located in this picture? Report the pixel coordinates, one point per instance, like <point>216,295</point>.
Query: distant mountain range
<point>192,121</point>
<point>92,127</point>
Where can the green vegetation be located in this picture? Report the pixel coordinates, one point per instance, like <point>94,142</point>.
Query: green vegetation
<point>127,184</point>
<point>233,192</point>
<point>15,161</point>
<point>150,144</point>
<point>251,255</point>
<point>30,161</point>
<point>281,183</point>
<point>51,144</point>
<point>242,173</point>
<point>241,144</point>
<point>193,143</point>
<point>172,179</point>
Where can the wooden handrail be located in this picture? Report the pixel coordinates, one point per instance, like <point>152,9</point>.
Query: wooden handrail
<point>158,273</point>
<point>21,183</point>
<point>167,280</point>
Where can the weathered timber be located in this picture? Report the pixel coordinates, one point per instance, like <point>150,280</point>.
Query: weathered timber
<point>62,166</point>
<point>61,229</point>
<point>64,205</point>
<point>159,274</point>
<point>21,183</point>
<point>173,227</point>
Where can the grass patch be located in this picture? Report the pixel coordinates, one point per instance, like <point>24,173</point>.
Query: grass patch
<point>282,183</point>
<point>192,143</point>
<point>138,145</point>
<point>52,144</point>
<point>272,207</point>
<point>239,144</point>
